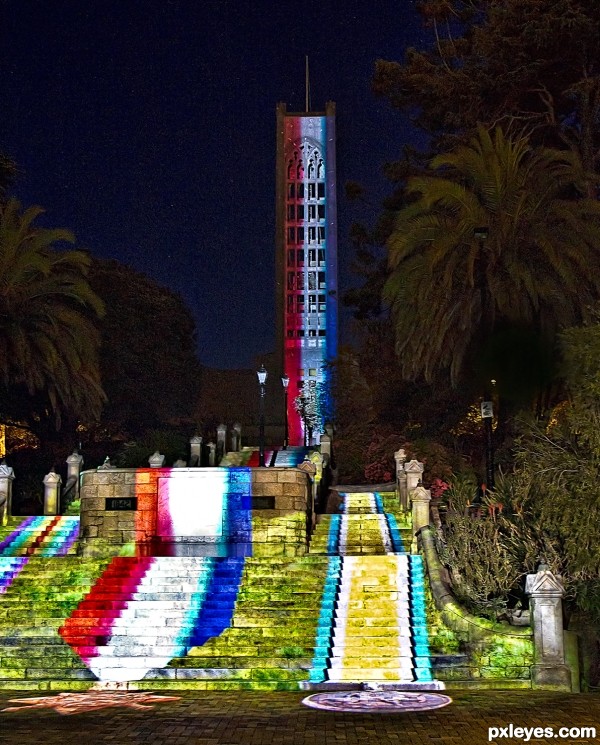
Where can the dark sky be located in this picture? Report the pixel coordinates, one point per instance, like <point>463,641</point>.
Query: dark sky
<point>148,128</point>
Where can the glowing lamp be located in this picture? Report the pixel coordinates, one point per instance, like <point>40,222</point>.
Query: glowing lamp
<point>262,375</point>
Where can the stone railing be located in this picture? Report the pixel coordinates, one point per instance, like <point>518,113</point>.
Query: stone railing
<point>497,651</point>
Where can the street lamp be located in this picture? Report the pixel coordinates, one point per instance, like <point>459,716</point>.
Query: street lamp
<point>262,379</point>
<point>487,414</point>
<point>487,408</point>
<point>285,381</point>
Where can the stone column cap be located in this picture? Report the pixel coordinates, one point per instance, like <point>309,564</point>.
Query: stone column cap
<point>52,478</point>
<point>420,494</point>
<point>75,458</point>
<point>414,466</point>
<point>195,440</point>
<point>400,455</point>
<point>6,472</point>
<point>544,583</point>
<point>156,460</point>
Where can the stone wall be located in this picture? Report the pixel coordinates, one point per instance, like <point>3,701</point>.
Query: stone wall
<point>119,506</point>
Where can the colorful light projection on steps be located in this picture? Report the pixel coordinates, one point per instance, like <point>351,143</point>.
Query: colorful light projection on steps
<point>372,626</point>
<point>146,610</point>
<point>10,567</point>
<point>44,536</point>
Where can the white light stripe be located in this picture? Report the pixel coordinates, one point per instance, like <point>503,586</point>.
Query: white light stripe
<point>141,638</point>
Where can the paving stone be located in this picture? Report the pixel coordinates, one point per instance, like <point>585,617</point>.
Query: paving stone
<point>206,717</point>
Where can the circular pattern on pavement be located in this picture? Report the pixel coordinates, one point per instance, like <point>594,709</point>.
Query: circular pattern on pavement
<point>377,701</point>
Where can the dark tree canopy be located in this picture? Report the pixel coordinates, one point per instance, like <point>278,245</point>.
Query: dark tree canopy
<point>48,323</point>
<point>504,62</point>
<point>148,361</point>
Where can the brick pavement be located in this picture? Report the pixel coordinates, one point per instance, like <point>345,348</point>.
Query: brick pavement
<point>252,718</point>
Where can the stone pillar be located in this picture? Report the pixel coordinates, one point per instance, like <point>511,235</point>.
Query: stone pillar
<point>401,489</point>
<point>74,463</point>
<point>180,463</point>
<point>326,446</point>
<point>156,460</point>
<point>196,451</point>
<point>52,482</point>
<point>420,508</point>
<point>237,428</point>
<point>221,441</point>
<point>7,476</point>
<point>212,454</point>
<point>414,474</point>
<point>546,591</point>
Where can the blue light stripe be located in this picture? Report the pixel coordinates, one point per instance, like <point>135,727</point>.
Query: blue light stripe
<point>325,624</point>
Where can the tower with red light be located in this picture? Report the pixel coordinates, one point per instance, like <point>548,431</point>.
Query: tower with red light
<point>306,259</point>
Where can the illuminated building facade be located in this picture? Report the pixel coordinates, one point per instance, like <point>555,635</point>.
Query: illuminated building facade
<point>306,256</point>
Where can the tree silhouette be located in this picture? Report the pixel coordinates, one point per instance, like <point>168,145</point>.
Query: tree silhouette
<point>501,233</point>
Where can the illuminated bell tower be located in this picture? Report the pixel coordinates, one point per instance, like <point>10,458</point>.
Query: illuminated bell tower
<point>306,254</point>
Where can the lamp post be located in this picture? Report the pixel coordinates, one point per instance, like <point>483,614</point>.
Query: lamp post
<point>285,381</point>
<point>262,379</point>
<point>487,408</point>
<point>487,414</point>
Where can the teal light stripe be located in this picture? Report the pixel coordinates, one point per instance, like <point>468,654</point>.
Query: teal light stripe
<point>322,642</point>
<point>196,603</point>
<point>333,536</point>
<point>397,543</point>
<point>419,634</point>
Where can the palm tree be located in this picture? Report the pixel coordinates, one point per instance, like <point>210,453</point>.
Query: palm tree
<point>502,234</point>
<point>48,337</point>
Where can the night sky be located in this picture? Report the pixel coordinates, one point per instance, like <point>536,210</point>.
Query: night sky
<point>148,128</point>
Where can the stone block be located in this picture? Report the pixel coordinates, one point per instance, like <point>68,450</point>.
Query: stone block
<point>284,503</point>
<point>290,477</point>
<point>262,477</point>
<point>95,503</point>
<point>266,490</point>
<point>294,490</point>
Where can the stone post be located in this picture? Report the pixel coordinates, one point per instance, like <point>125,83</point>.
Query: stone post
<point>414,473</point>
<point>401,488</point>
<point>546,591</point>
<point>237,437</point>
<point>196,451</point>
<point>7,476</point>
<point>221,441</point>
<point>212,454</point>
<point>52,482</point>
<point>420,512</point>
<point>156,460</point>
<point>74,463</point>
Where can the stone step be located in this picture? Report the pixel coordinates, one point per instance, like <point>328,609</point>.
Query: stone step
<point>362,674</point>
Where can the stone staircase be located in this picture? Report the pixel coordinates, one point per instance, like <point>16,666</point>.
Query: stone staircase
<point>349,612</point>
<point>34,603</point>
<point>372,626</point>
